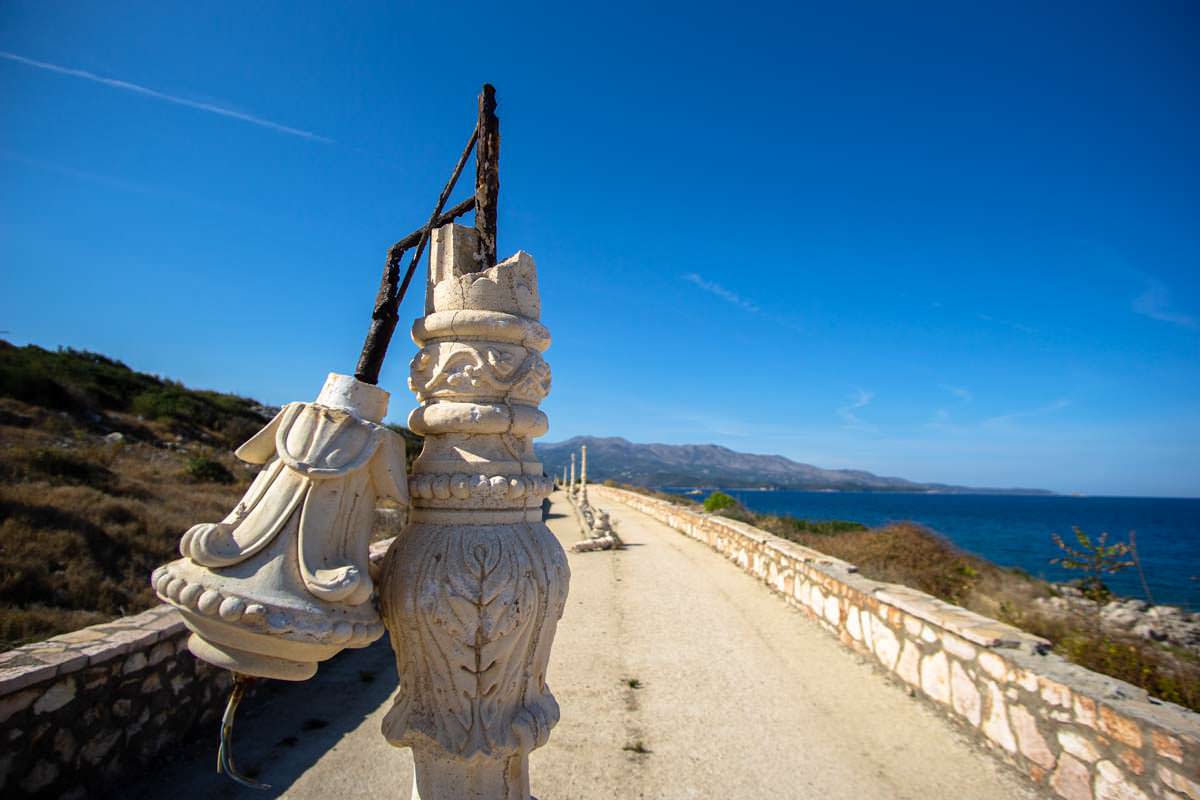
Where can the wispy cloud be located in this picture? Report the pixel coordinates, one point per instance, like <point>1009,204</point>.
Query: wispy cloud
<point>134,88</point>
<point>1155,303</point>
<point>720,291</point>
<point>960,392</point>
<point>1002,419</point>
<point>735,299</point>
<point>860,399</point>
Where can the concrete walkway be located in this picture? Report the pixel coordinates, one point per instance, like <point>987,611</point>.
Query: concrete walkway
<point>678,677</point>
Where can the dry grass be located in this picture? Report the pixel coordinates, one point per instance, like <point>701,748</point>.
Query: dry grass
<point>909,554</point>
<point>912,555</point>
<point>84,521</point>
<point>82,526</point>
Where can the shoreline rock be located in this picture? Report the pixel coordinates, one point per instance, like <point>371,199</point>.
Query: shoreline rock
<point>1159,623</point>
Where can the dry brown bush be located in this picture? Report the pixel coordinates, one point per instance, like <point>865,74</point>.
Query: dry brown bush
<point>81,527</point>
<point>912,555</point>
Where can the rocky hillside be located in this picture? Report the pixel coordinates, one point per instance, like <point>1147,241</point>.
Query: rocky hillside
<point>656,465</point>
<point>102,468</point>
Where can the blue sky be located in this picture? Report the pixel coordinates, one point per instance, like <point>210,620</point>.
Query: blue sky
<point>947,243</point>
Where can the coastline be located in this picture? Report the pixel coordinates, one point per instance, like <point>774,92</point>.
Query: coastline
<point>1014,531</point>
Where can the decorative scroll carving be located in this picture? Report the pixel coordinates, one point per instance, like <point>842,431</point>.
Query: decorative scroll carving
<point>283,581</point>
<point>321,472</point>
<point>454,369</point>
<point>472,591</point>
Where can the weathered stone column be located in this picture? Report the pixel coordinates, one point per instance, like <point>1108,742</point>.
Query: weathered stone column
<point>472,591</point>
<point>583,476</point>
<point>571,488</point>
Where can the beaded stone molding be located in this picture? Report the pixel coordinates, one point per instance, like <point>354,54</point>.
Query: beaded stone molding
<point>473,590</point>
<point>283,582</point>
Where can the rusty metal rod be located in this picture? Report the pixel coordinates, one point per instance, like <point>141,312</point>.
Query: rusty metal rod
<point>487,177</point>
<point>225,751</point>
<point>386,312</point>
<point>428,229</point>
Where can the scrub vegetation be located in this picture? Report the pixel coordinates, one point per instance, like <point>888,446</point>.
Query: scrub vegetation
<point>915,556</point>
<point>101,470</point>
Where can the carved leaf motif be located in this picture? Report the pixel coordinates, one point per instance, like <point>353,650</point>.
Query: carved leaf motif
<point>418,369</point>
<point>460,371</point>
<point>501,361</point>
<point>474,369</point>
<point>473,610</point>
<point>536,382</point>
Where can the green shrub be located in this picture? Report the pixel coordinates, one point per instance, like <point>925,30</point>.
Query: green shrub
<point>719,500</point>
<point>1174,677</point>
<point>89,385</point>
<point>1095,559</point>
<point>202,468</point>
<point>55,465</point>
<point>171,404</point>
<point>823,527</point>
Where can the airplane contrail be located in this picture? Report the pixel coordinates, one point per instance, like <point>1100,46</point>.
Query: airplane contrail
<point>169,98</point>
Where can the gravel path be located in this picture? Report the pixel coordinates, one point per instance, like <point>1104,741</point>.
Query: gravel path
<point>678,677</point>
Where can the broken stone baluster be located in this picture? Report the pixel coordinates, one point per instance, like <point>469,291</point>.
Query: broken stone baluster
<point>282,582</point>
<point>472,591</point>
<point>601,535</point>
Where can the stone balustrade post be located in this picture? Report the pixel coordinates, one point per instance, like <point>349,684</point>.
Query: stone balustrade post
<point>583,498</point>
<point>472,591</point>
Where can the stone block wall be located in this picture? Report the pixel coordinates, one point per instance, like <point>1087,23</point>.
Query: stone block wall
<point>1075,733</point>
<point>79,710</point>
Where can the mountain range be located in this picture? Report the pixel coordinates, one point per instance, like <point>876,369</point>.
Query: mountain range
<point>710,465</point>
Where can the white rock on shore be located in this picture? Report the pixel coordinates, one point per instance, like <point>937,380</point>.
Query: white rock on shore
<point>1159,623</point>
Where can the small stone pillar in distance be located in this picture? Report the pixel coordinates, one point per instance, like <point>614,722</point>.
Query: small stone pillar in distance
<point>472,591</point>
<point>583,476</point>
<point>571,488</point>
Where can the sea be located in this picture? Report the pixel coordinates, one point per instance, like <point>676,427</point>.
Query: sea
<point>1014,530</point>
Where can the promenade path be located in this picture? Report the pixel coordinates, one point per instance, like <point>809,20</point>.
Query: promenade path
<point>738,697</point>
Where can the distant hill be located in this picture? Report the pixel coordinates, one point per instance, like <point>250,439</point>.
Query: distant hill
<point>660,465</point>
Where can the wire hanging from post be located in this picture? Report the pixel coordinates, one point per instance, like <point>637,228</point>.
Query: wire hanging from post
<point>225,763</point>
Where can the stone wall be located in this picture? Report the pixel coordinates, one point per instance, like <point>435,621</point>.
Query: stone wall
<point>79,710</point>
<point>1073,732</point>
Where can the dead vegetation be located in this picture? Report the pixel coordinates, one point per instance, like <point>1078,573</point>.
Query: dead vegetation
<point>912,555</point>
<point>915,556</point>
<point>83,521</point>
<point>101,470</point>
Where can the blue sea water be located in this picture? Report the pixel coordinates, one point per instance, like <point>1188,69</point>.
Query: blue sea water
<point>1014,531</point>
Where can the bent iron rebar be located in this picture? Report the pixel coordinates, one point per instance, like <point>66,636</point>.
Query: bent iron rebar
<point>225,763</point>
